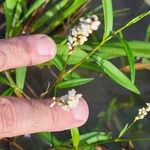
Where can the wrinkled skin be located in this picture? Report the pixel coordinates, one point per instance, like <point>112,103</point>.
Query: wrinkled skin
<point>22,116</point>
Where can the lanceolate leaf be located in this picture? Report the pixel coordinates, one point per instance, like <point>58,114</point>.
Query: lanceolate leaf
<point>57,62</point>
<point>148,33</point>
<point>92,66</point>
<point>123,131</point>
<point>130,57</point>
<point>4,81</point>
<point>75,137</point>
<point>99,137</point>
<point>115,49</point>
<point>33,7</point>
<point>48,138</point>
<point>77,55</point>
<point>20,77</point>
<point>116,74</point>
<point>74,82</point>
<point>48,15</point>
<point>9,7</point>
<point>8,92</point>
<point>108,17</point>
<point>63,14</point>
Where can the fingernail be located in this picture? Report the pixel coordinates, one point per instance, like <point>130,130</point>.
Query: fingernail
<point>81,113</point>
<point>77,115</point>
<point>46,46</point>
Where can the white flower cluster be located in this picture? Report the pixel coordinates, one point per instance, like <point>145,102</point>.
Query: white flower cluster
<point>143,112</point>
<point>67,101</point>
<point>79,34</point>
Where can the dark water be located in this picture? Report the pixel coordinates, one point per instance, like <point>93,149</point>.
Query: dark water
<point>102,91</point>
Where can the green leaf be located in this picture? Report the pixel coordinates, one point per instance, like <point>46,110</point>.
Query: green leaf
<point>20,77</point>
<point>33,7</point>
<point>116,74</point>
<point>4,80</point>
<point>123,131</point>
<point>115,49</point>
<point>92,66</point>
<point>72,75</point>
<point>8,92</point>
<point>137,19</point>
<point>148,33</point>
<point>108,17</point>
<point>63,14</point>
<point>9,7</point>
<point>130,57</point>
<point>17,13</point>
<point>57,62</point>
<point>74,82</point>
<point>75,137</point>
<point>86,136</point>
<point>77,55</point>
<point>46,137</point>
<point>98,138</point>
<point>48,15</point>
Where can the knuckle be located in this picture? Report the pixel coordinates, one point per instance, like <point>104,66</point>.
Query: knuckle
<point>8,115</point>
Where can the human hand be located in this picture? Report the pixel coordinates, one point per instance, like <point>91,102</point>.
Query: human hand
<point>23,116</point>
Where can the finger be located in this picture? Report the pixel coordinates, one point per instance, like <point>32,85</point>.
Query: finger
<point>23,116</point>
<point>25,50</point>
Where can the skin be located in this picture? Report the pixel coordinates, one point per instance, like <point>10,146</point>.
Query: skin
<point>22,116</point>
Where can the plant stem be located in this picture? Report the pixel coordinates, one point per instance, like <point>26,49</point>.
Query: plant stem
<point>59,78</point>
<point>17,91</point>
<point>126,129</point>
<point>138,18</point>
<point>118,141</point>
<point>133,21</point>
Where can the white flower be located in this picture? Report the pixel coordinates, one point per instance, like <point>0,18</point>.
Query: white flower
<point>79,34</point>
<point>148,104</point>
<point>67,101</point>
<point>143,112</point>
<point>52,104</point>
<point>71,99</point>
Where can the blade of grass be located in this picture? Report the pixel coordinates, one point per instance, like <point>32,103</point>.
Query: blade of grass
<point>48,15</point>
<point>130,57</point>
<point>148,33</point>
<point>108,17</point>
<point>17,14</point>
<point>63,14</point>
<point>20,77</point>
<point>115,74</point>
<point>8,92</point>
<point>75,137</point>
<point>9,7</point>
<point>12,84</point>
<point>33,7</point>
<point>4,81</point>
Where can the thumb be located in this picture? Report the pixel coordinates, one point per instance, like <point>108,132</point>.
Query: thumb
<point>21,116</point>
<point>25,51</point>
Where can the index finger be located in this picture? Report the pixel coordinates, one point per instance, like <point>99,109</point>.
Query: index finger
<point>26,51</point>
